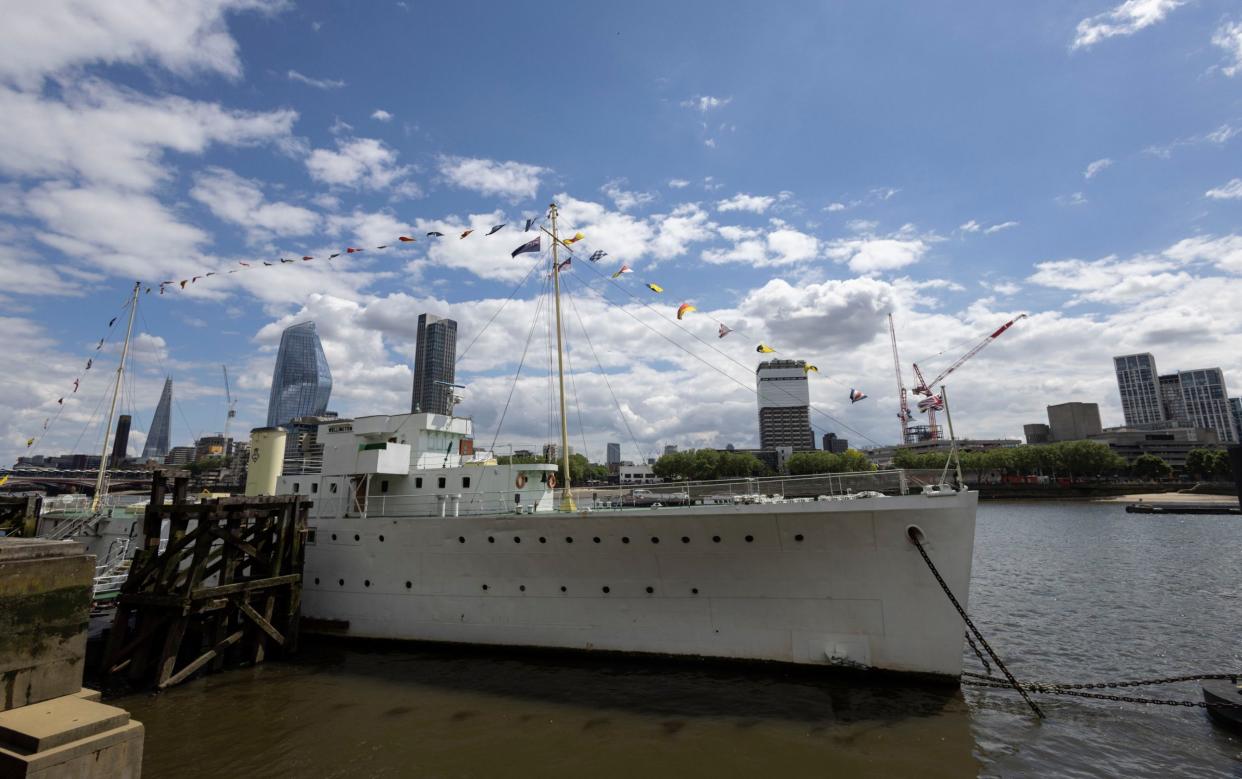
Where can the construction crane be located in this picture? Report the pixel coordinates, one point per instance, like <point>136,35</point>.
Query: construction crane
<point>903,409</point>
<point>232,404</point>
<point>932,402</point>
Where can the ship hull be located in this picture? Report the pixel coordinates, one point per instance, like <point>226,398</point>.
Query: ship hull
<point>814,583</point>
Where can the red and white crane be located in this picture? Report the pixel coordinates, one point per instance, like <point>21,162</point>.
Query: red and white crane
<point>903,410</point>
<point>931,402</point>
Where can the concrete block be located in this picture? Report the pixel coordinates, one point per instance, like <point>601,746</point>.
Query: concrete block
<point>45,601</point>
<point>70,737</point>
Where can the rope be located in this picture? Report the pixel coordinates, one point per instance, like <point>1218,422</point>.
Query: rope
<point>507,301</point>
<point>518,373</point>
<point>983,641</point>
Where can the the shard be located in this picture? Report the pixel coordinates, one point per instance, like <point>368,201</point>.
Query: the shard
<point>301,383</point>
<point>161,426</point>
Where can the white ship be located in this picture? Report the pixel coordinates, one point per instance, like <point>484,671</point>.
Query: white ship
<point>414,537</point>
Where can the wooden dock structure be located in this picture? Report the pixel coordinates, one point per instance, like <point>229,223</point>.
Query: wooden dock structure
<point>225,590</point>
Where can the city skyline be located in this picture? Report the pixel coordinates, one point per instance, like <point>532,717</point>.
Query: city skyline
<point>1106,210</point>
<point>159,434</point>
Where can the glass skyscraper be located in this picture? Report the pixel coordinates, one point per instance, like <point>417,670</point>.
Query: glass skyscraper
<point>435,365</point>
<point>301,383</point>
<point>161,426</point>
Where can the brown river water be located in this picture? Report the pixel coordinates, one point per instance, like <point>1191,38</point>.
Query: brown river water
<point>1064,591</point>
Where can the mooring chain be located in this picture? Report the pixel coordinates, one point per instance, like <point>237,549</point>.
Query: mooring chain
<point>986,665</point>
<point>962,612</point>
<point>1002,685</point>
<point>1112,685</point>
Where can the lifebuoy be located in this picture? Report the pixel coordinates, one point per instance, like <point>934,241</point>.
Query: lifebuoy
<point>520,481</point>
<point>551,480</point>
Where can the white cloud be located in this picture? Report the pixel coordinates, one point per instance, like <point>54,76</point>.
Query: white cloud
<point>1094,168</point>
<point>873,255</point>
<point>1229,38</point>
<point>380,115</point>
<point>835,207</point>
<point>624,199</point>
<point>360,163</point>
<point>706,103</point>
<point>678,183</point>
<point>996,228</point>
<point>971,227</point>
<point>240,201</point>
<point>687,224</point>
<point>1220,136</point>
<point>1231,190</point>
<point>1125,19</point>
<point>1072,199</point>
<point>1005,287</point>
<point>317,83</point>
<point>710,143</point>
<point>1224,252</point>
<point>780,246</point>
<point>513,181</point>
<point>118,137</point>
<point>51,37</point>
<point>756,204</point>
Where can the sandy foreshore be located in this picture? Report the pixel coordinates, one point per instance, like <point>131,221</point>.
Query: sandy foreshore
<point>1169,497</point>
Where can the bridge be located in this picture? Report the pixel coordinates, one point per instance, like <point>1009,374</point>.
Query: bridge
<point>66,480</point>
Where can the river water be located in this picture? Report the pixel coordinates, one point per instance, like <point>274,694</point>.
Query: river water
<point>1064,592</point>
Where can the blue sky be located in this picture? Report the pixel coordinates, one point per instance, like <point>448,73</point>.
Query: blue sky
<point>797,171</point>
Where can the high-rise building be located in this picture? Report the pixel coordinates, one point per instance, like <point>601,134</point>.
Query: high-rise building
<point>1140,390</point>
<point>1235,405</point>
<point>302,382</point>
<point>1206,402</point>
<point>435,365</point>
<point>614,454</point>
<point>1074,421</point>
<point>834,444</point>
<point>158,435</point>
<point>1172,404</point>
<point>212,446</point>
<point>670,448</point>
<point>179,455</point>
<point>784,405</point>
<point>120,442</point>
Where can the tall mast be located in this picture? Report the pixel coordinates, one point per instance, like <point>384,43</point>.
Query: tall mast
<point>567,496</point>
<point>903,411</point>
<point>116,391</point>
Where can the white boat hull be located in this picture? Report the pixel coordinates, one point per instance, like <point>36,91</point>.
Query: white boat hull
<point>818,583</point>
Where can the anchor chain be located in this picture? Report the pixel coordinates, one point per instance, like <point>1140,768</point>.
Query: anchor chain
<point>1001,684</point>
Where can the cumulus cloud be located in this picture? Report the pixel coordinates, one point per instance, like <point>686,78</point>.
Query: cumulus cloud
<point>317,83</point>
<point>1125,19</point>
<point>240,201</point>
<point>782,245</point>
<point>623,198</point>
<point>1095,168</point>
<point>380,115</point>
<point>1231,190</point>
<point>678,183</point>
<point>359,163</point>
<point>705,103</point>
<point>1229,38</point>
<point>756,204</point>
<point>513,181</point>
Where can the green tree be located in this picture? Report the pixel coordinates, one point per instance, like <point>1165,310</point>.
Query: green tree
<point>675,466</point>
<point>1206,463</point>
<point>1088,459</point>
<point>1149,466</point>
<point>802,463</point>
<point>739,464</point>
<point>853,461</point>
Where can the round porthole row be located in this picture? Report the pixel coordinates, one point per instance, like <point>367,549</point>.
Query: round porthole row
<point>366,583</point>
<point>595,539</point>
<point>408,585</point>
<point>655,539</point>
<point>607,590</point>
<point>625,539</point>
<point>715,539</point>
<point>491,539</point>
<point>357,537</point>
<point>522,588</point>
<point>749,539</point>
<point>461,539</point>
<point>685,539</point>
<point>798,537</point>
<point>543,540</point>
<point>650,590</point>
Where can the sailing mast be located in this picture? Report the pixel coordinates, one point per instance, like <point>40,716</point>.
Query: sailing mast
<point>567,495</point>
<point>116,391</point>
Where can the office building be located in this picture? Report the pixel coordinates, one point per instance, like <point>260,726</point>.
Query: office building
<point>670,448</point>
<point>1074,421</point>
<point>784,405</point>
<point>301,381</point>
<point>1172,404</point>
<point>179,455</point>
<point>1139,386</point>
<point>834,444</point>
<point>120,442</point>
<point>1235,405</point>
<point>435,365</point>
<point>1037,433</point>
<point>614,455</point>
<point>1205,402</point>
<point>156,447</point>
<point>212,446</point>
<point>1170,444</point>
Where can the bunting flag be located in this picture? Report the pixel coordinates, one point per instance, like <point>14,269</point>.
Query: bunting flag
<point>5,478</point>
<point>598,255</point>
<point>351,250</point>
<point>306,258</point>
<point>266,264</point>
<point>529,246</point>
<point>100,344</point>
<point>405,239</point>
<point>45,421</point>
<point>905,415</point>
<point>764,349</point>
<point>60,401</point>
<point>564,265</point>
<point>435,234</point>
<point>529,224</point>
<point>111,321</point>
<point>76,382</point>
<point>856,395</point>
<point>808,368</point>
<point>725,330</point>
<point>683,309</point>
<point>655,288</point>
<point>495,229</point>
<point>621,270</point>
<point>933,403</point>
<point>239,262</point>
<point>183,281</point>
<point>466,232</point>
<point>576,237</point>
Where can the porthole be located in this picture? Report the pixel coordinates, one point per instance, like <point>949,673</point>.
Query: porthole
<point>381,539</point>
<point>485,586</point>
<point>366,583</point>
<point>334,536</point>
<point>564,588</point>
<point>749,539</point>
<point>440,482</point>
<point>596,539</point>
<point>384,485</point>
<point>685,539</point>
<point>694,590</point>
<point>543,540</point>
<point>625,539</point>
<point>522,588</point>
<point>316,580</point>
<point>569,539</point>
<point>798,537</point>
<point>650,590</point>
<point>655,539</point>
<point>408,585</point>
<point>357,537</point>
<point>607,590</point>
<point>491,539</point>
<point>715,539</point>
<point>461,539</point>
<point>517,539</point>
<point>340,582</point>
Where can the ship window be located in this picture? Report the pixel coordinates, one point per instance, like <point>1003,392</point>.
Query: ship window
<point>715,539</point>
<point>596,539</point>
<point>517,497</point>
<point>297,487</point>
<point>650,590</point>
<point>418,482</point>
<point>485,586</point>
<point>543,540</point>
<point>694,590</point>
<point>441,481</point>
<point>340,582</point>
<point>625,539</point>
<point>564,588</point>
<point>465,481</point>
<point>569,539</point>
<point>522,588</point>
<point>310,535</point>
<point>461,539</point>
<point>314,488</point>
<point>798,537</point>
<point>408,585</point>
<point>749,539</point>
<point>607,590</point>
<point>685,539</point>
<point>316,580</point>
<point>384,486</point>
<point>491,539</point>
<point>366,583</point>
<point>332,487</point>
<point>655,540</point>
